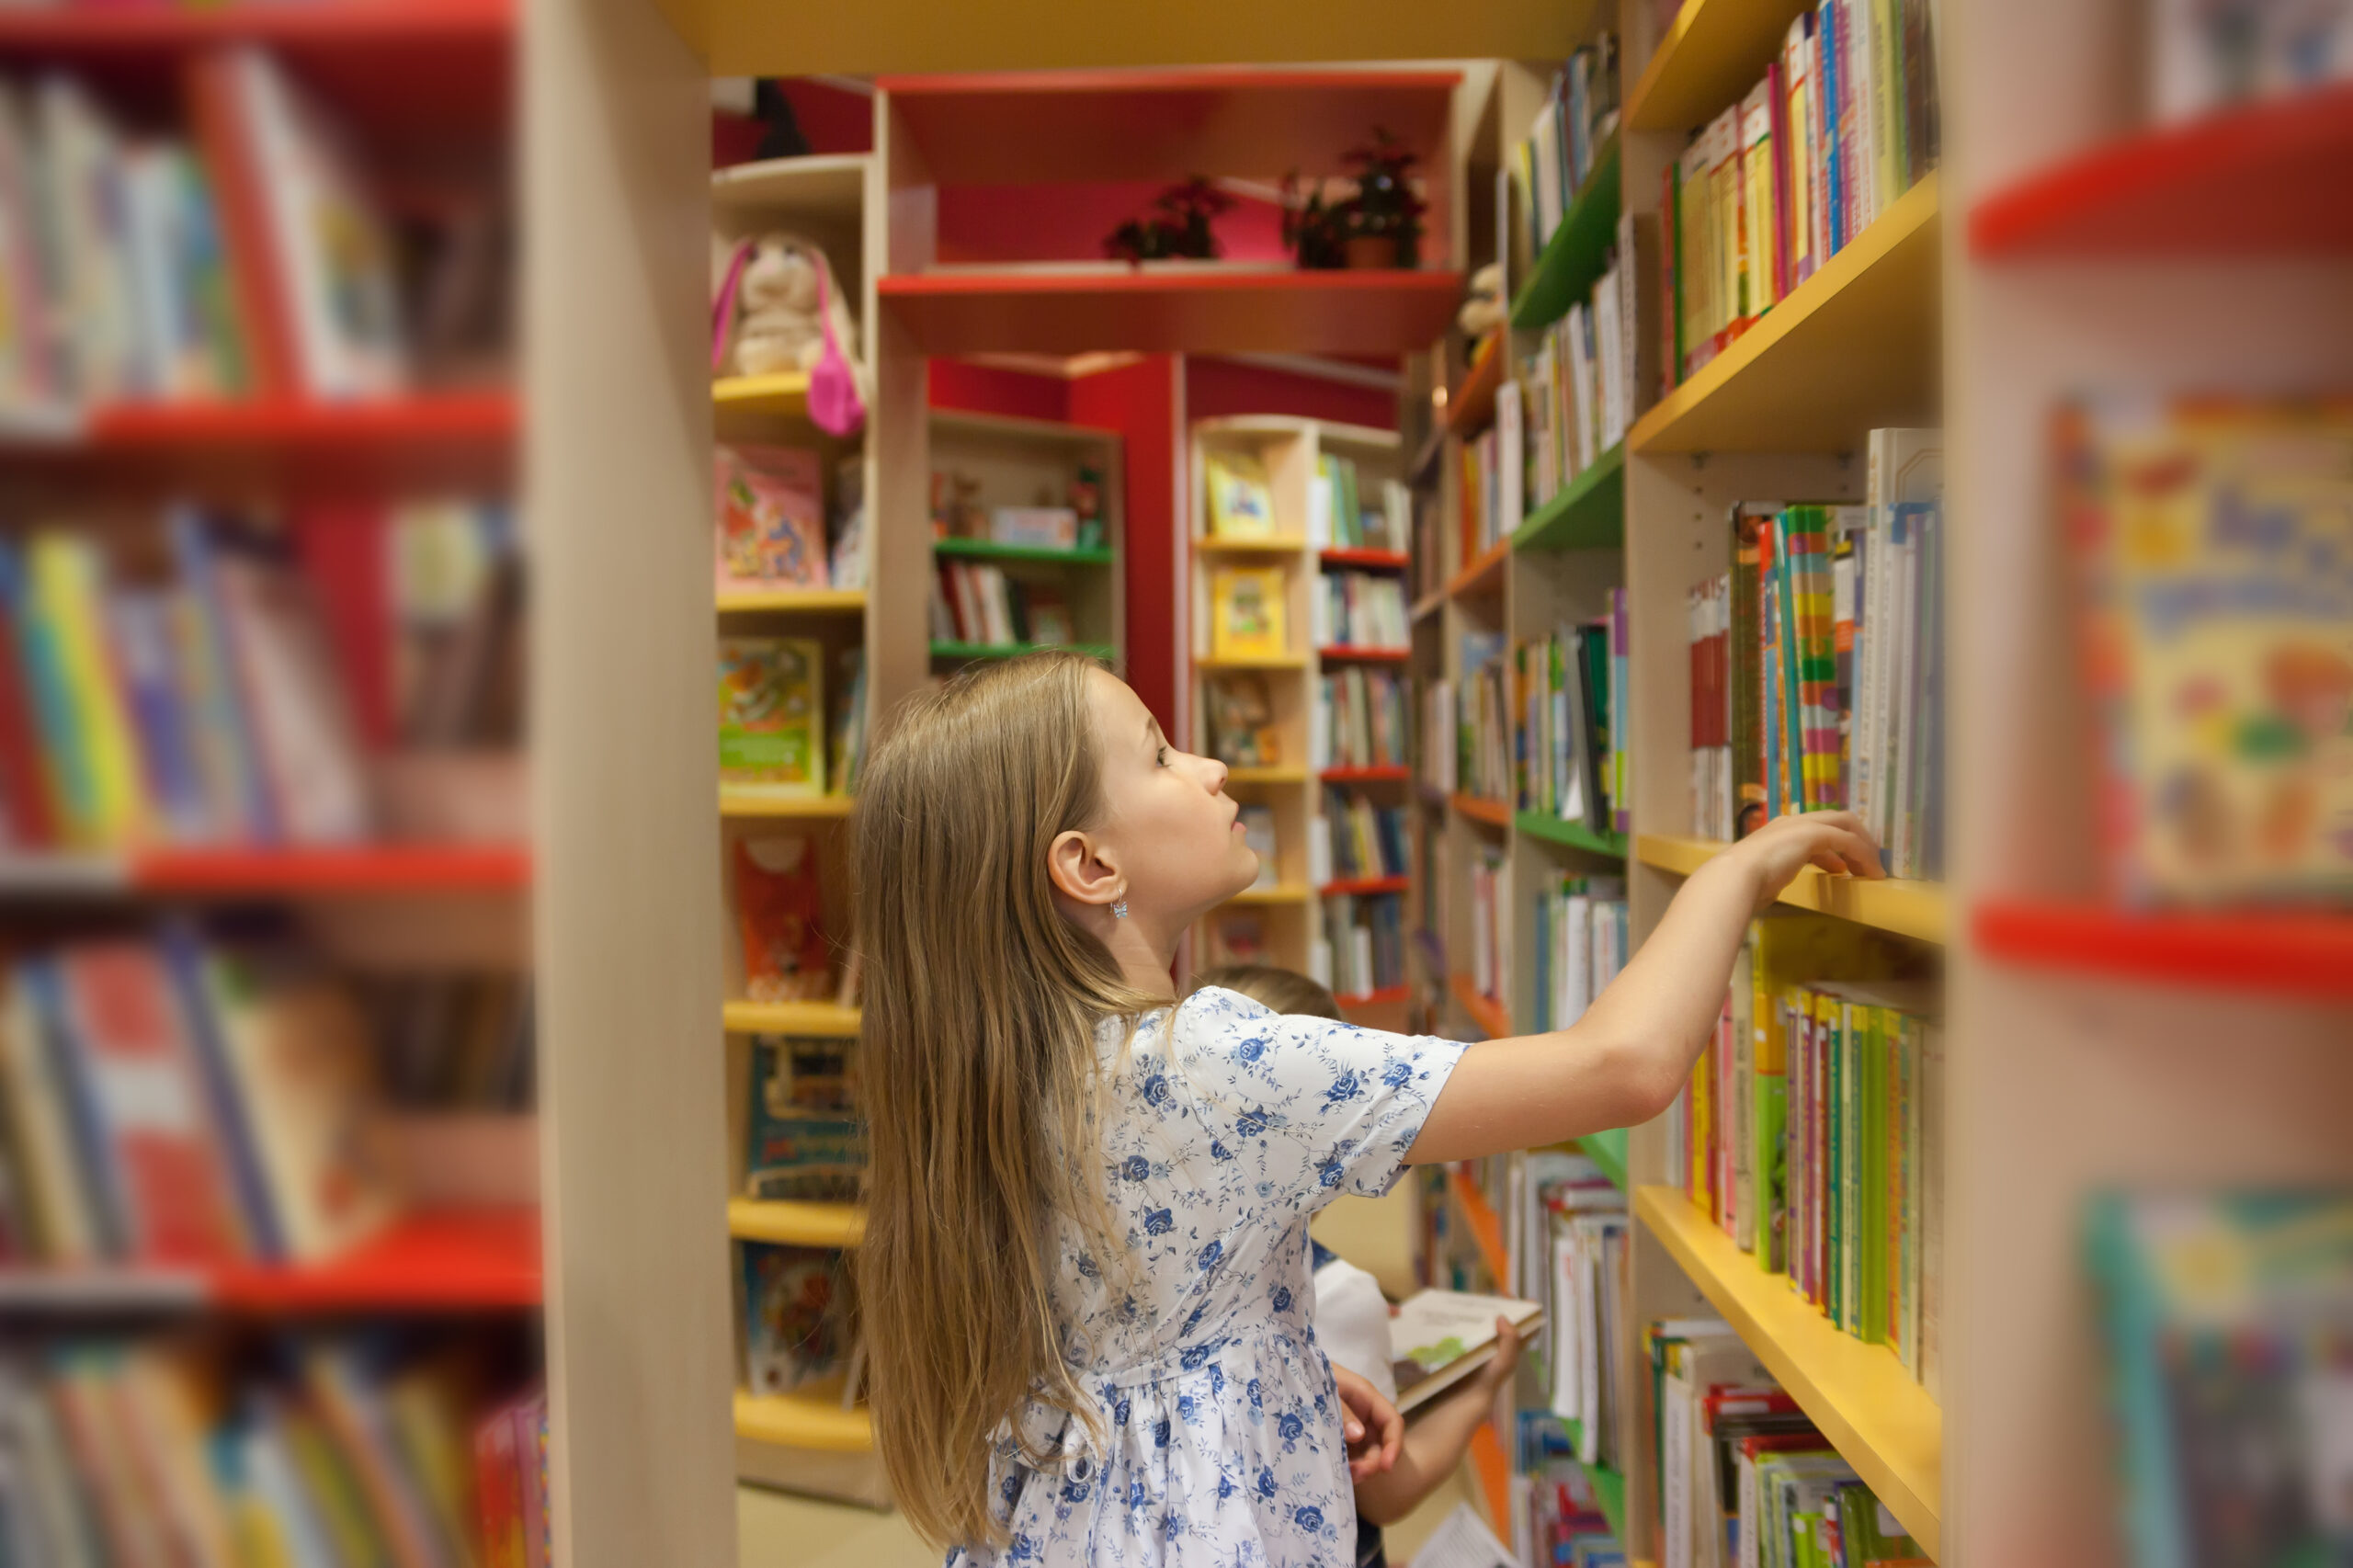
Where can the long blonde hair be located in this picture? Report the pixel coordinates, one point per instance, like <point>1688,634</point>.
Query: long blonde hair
<point>980,1078</point>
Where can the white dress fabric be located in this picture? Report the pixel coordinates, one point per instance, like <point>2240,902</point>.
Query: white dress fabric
<point>1227,1127</point>
<point>1352,1323</point>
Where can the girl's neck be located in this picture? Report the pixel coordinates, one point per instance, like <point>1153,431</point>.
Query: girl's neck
<point>1145,953</point>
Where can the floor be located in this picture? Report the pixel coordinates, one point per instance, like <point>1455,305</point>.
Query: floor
<point>779,1530</point>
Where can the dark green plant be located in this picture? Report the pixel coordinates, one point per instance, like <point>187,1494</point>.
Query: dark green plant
<point>1177,226</point>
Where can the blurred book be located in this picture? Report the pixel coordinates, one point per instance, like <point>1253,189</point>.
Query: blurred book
<point>1247,612</point>
<point>1242,727</point>
<point>780,921</point>
<point>1360,609</point>
<point>2205,56</point>
<point>1258,832</point>
<point>1242,504</point>
<point>806,1142</point>
<point>972,602</point>
<point>771,526</point>
<point>798,1324</point>
<point>772,715</point>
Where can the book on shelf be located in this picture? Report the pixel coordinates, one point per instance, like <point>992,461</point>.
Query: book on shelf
<point>1581,944</point>
<point>1706,624</point>
<point>1494,475</point>
<point>805,1140</point>
<point>1557,1514</point>
<point>1360,719</point>
<point>1566,749</point>
<point>1241,714</point>
<point>511,1473</point>
<point>1443,1337</point>
<point>1247,612</point>
<point>1592,372</point>
<point>1241,503</point>
<point>2211,1303</point>
<point>1491,910</point>
<point>976,602</point>
<point>1441,746</point>
<point>1844,122</point>
<point>1360,609</point>
<point>2200,61</point>
<point>799,1317</point>
<point>1361,841</point>
<point>1258,832</point>
<point>1592,1376</point>
<point>771,525</point>
<point>1550,164</point>
<point>1346,512</point>
<point>2215,653</point>
<point>772,716</point>
<point>1362,949</point>
<point>1238,937</point>
<point>780,908</point>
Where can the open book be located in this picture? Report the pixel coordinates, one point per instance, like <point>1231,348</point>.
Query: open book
<point>1440,1337</point>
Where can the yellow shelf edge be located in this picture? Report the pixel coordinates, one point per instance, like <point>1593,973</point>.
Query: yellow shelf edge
<point>784,391</point>
<point>806,1419</point>
<point>791,1223</point>
<point>1208,544</point>
<point>1912,909</point>
<point>1266,775</point>
<point>1914,209</point>
<point>1281,893</point>
<point>1272,662</point>
<point>736,803</point>
<point>735,601</point>
<point>1880,1420</point>
<point>790,1017</point>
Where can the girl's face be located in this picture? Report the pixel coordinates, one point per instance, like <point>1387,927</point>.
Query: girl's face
<point>1169,824</point>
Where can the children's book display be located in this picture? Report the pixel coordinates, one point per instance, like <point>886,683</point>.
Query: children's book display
<point>798,1318</point>
<point>1247,612</point>
<point>1360,719</point>
<point>1242,504</point>
<point>779,920</point>
<point>771,532</point>
<point>511,1473</point>
<point>976,602</point>
<point>805,1140</point>
<point>772,716</point>
<point>1242,732</point>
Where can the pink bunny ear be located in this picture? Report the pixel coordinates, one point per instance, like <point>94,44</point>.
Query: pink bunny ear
<point>722,309</point>
<point>834,405</point>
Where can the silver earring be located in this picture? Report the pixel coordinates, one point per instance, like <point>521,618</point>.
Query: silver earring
<point>1118,909</point>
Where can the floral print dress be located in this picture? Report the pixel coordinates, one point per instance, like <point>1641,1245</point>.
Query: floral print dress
<point>1228,1126</point>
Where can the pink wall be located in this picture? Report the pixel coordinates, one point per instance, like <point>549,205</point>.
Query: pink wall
<point>1218,389</point>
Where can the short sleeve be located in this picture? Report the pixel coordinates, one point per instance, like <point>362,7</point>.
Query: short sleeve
<point>1319,1107</point>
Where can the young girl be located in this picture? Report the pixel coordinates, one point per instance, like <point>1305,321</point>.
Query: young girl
<point>1085,1280</point>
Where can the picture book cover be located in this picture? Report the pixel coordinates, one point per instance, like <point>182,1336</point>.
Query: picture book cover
<point>771,525</point>
<point>2212,540</point>
<point>795,1327</point>
<point>1440,1337</point>
<point>805,1140</point>
<point>780,915</point>
<point>1242,504</point>
<point>1246,613</point>
<point>772,715</point>
<point>1241,723</point>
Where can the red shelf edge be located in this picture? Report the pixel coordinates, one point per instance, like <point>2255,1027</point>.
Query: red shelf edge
<point>1393,559</point>
<point>1478,808</point>
<point>1364,885</point>
<point>1381,998</point>
<point>1384,775</point>
<point>1357,654</point>
<point>1485,1011</point>
<point>159,25</point>
<point>2306,956</point>
<point>1181,79</point>
<point>372,868</point>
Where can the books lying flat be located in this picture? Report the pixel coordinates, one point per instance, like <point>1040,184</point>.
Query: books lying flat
<point>1440,1337</point>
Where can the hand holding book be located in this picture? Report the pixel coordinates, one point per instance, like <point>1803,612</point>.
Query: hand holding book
<point>1835,842</point>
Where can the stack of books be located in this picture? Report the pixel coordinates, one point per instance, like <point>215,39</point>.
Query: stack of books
<point>1342,516</point>
<point>1360,719</point>
<point>1550,164</point>
<point>1843,124</point>
<point>1365,841</point>
<point>1360,609</point>
<point>979,604</point>
<point>1593,371</point>
<point>1490,904</point>
<point>1569,753</point>
<point>1362,950</point>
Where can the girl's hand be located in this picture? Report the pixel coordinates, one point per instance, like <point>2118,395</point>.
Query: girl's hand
<point>1371,1423</point>
<point>1497,1373</point>
<point>1833,840</point>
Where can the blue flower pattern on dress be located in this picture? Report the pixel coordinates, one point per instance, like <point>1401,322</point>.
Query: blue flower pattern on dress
<point>1227,1127</point>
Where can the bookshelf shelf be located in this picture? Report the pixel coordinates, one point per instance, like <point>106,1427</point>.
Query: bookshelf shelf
<point>385,426</point>
<point>1715,51</point>
<point>2238,182</point>
<point>1247,662</point>
<point>1363,886</point>
<point>2307,955</point>
<point>1492,1016</point>
<point>989,550</point>
<point>1265,775</point>
<point>1281,892</point>
<point>372,869</point>
<point>1473,404</point>
<point>1906,908</point>
<point>1589,512</point>
<point>1379,560</point>
<point>1222,311</point>
<point>1607,1150</point>
<point>790,1017</point>
<point>1494,1470</point>
<point>1428,604</point>
<point>810,1417</point>
<point>1478,808</point>
<point>1482,578</point>
<point>1391,775</point>
<point>796,1224</point>
<point>785,392</point>
<point>1348,653</point>
<point>1210,544</point>
<point>746,803</point>
<point>1571,835</point>
<point>1578,252</point>
<point>1486,1230</point>
<point>1389,996</point>
<point>802,601</point>
<point>449,1261</point>
<point>824,185</point>
<point>1020,127</point>
<point>1880,1420</point>
<point>1015,650</point>
<point>349,24</point>
<point>1853,348</point>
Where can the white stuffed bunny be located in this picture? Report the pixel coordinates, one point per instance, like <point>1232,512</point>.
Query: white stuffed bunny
<point>778,303</point>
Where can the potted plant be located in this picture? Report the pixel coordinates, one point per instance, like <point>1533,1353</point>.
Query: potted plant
<point>1386,220</point>
<point>1177,228</point>
<point>1315,230</point>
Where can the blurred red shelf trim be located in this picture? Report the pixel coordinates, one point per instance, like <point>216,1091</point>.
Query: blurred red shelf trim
<point>372,868</point>
<point>1396,559</point>
<point>1490,1014</point>
<point>1217,79</point>
<point>1365,775</point>
<point>2244,181</point>
<point>1478,808</point>
<point>1363,885</point>
<point>160,26</point>
<point>1384,997</point>
<point>1486,1228</point>
<point>2306,956</point>
<point>444,416</point>
<point>1355,653</point>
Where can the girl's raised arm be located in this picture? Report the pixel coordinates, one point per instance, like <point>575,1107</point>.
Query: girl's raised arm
<point>1625,1059</point>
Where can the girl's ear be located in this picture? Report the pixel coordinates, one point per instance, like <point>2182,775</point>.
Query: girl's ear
<point>1082,869</point>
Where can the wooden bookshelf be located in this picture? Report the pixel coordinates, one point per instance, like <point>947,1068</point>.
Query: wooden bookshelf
<point>1252,662</point>
<point>1906,908</point>
<point>1285,775</point>
<point>792,601</point>
<point>1478,809</point>
<point>830,188</point>
<point>1879,1419</point>
<point>790,1017</point>
<point>2282,954</point>
<point>1493,1018</point>
<point>1281,892</point>
<point>1470,408</point>
<point>1711,54</point>
<point>735,802</point>
<point>1578,252</point>
<point>1210,544</point>
<point>810,1419</point>
<point>784,1223</point>
<point>1853,348</point>
<point>1588,513</point>
<point>1482,577</point>
<point>350,26</point>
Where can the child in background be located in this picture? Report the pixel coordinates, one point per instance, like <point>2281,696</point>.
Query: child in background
<point>1352,1321</point>
<point>1085,1281</point>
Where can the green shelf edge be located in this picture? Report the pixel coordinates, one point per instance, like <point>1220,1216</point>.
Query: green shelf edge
<point>1578,252</point>
<point>1607,1150</point>
<point>1015,650</point>
<point>1609,1491</point>
<point>1589,513</point>
<point>990,550</point>
<point>1575,835</point>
